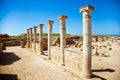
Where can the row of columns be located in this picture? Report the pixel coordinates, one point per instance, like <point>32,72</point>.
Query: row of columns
<point>33,38</point>
<point>87,35</point>
<point>62,19</point>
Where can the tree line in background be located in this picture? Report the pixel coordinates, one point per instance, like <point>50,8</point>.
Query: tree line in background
<point>24,35</point>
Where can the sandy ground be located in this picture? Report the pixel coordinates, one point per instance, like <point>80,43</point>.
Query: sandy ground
<point>106,68</point>
<point>20,64</point>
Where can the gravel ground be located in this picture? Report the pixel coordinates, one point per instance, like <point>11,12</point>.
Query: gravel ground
<point>20,64</point>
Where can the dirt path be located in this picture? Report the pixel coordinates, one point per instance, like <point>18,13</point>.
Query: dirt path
<point>20,64</point>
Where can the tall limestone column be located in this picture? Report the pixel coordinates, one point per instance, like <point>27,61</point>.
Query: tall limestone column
<point>28,39</point>
<point>62,19</point>
<point>30,33</point>
<point>87,36</point>
<point>49,22</point>
<point>35,37</point>
<point>41,39</point>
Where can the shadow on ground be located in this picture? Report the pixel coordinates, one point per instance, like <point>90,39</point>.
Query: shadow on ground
<point>8,77</point>
<point>8,58</point>
<point>101,70</point>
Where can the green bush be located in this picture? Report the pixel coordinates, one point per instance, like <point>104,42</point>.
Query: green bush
<point>23,35</point>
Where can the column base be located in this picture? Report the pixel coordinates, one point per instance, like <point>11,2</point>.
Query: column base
<point>41,53</point>
<point>63,64</point>
<point>49,58</point>
<point>86,76</point>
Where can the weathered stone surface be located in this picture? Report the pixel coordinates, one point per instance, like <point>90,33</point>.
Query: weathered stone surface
<point>70,41</point>
<point>72,57</point>
<point>11,42</point>
<point>5,36</point>
<point>41,39</point>
<point>95,38</point>
<point>49,22</point>
<point>31,38</point>
<point>56,41</point>
<point>35,38</point>
<point>62,19</point>
<point>87,50</point>
<point>28,39</point>
<point>22,44</point>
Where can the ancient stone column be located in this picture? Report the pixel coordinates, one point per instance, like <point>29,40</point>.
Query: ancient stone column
<point>49,22</point>
<point>22,44</point>
<point>35,37</point>
<point>30,33</point>
<point>87,36</point>
<point>28,39</point>
<point>62,19</point>
<point>41,39</point>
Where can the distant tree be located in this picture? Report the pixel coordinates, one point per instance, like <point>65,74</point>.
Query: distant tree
<point>21,36</point>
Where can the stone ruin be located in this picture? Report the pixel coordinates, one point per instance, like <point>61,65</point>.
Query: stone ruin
<point>62,54</point>
<point>8,41</point>
<point>73,52</point>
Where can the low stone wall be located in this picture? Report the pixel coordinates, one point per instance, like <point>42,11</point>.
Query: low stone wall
<point>78,40</point>
<point>73,57</point>
<point>38,47</point>
<point>105,38</point>
<point>11,42</point>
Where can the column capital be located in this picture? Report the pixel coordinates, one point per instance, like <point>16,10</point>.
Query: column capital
<point>41,25</point>
<point>50,22</point>
<point>34,26</point>
<point>87,8</point>
<point>62,17</point>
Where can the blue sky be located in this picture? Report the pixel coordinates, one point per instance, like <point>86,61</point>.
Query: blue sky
<point>18,15</point>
